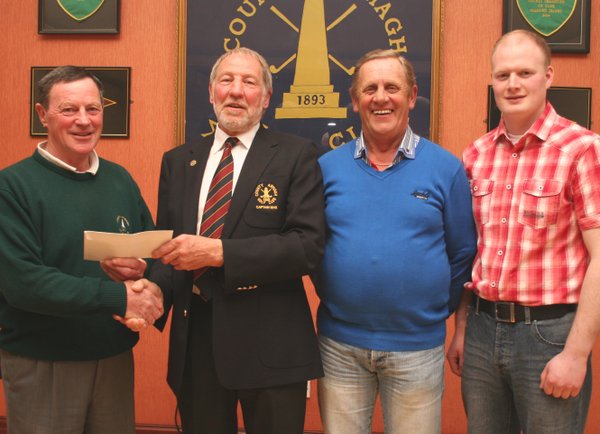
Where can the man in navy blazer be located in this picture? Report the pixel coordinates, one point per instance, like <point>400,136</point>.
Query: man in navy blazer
<point>253,340</point>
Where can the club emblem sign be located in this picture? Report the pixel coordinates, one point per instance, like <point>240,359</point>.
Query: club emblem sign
<point>79,10</point>
<point>311,47</point>
<point>547,16</point>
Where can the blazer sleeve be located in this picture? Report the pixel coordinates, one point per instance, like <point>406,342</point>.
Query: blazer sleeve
<point>297,247</point>
<point>160,273</point>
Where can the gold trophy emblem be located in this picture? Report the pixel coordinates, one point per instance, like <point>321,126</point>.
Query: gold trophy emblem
<point>311,95</point>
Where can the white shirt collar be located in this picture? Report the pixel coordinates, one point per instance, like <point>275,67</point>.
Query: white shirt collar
<point>94,160</point>
<point>245,138</point>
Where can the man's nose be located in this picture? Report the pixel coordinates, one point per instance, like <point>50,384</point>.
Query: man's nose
<point>380,94</point>
<point>82,116</point>
<point>236,87</point>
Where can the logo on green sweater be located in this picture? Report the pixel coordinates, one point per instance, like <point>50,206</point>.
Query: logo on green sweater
<point>123,224</point>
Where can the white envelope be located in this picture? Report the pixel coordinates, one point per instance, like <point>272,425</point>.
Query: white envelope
<point>102,245</point>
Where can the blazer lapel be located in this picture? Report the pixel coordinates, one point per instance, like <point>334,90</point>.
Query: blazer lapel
<point>194,171</point>
<point>263,149</point>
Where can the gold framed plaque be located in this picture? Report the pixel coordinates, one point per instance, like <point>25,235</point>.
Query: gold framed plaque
<point>78,16</point>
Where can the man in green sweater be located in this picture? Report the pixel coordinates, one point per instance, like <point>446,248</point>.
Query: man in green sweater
<point>67,364</point>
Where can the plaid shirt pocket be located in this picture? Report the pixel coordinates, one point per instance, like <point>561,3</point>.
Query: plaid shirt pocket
<point>540,202</point>
<point>481,190</point>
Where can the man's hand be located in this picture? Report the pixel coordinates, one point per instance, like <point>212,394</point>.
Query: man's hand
<point>563,375</point>
<point>456,352</point>
<point>122,269</point>
<point>191,252</point>
<point>133,324</point>
<point>144,304</point>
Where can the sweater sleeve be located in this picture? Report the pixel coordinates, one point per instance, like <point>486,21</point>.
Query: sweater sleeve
<point>26,283</point>
<point>460,235</point>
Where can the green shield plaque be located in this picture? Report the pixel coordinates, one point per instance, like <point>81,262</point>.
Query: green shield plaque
<point>79,10</point>
<point>546,16</point>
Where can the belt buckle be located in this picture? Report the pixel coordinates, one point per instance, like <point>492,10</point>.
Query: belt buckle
<point>511,311</point>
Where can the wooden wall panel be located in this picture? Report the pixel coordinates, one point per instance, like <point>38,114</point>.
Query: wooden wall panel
<point>147,43</point>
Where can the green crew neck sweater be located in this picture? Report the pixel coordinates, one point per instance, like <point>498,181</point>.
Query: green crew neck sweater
<point>53,304</point>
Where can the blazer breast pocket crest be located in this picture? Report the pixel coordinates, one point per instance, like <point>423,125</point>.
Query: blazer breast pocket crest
<point>266,196</point>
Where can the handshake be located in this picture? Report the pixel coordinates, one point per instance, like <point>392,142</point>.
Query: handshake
<point>144,298</point>
<point>144,304</point>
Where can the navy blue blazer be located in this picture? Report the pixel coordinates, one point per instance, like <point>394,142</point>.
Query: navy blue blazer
<point>263,333</point>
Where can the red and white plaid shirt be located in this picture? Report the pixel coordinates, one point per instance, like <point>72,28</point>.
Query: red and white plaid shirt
<point>531,201</point>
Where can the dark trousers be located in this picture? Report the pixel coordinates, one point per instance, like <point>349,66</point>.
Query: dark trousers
<point>206,407</point>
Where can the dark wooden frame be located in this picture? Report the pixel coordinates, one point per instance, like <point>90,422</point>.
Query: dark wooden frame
<point>53,20</point>
<point>573,37</point>
<point>117,87</point>
<point>574,103</point>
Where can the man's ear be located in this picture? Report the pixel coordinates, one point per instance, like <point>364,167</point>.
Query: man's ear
<point>267,100</point>
<point>549,76</point>
<point>354,104</point>
<point>412,97</point>
<point>41,111</point>
<point>210,95</point>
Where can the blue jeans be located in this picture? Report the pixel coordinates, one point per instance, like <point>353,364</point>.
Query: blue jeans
<point>410,383</point>
<point>501,378</point>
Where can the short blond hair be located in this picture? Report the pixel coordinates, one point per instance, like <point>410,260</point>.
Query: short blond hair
<point>533,37</point>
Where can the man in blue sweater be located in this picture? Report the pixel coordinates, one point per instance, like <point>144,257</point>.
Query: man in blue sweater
<point>400,244</point>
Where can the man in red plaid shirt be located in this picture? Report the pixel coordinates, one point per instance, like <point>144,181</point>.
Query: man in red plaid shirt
<point>530,316</point>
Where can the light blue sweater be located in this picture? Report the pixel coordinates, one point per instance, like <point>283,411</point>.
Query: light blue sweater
<point>399,249</point>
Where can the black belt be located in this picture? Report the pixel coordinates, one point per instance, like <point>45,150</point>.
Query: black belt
<point>508,311</point>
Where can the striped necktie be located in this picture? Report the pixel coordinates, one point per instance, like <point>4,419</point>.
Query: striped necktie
<point>218,201</point>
